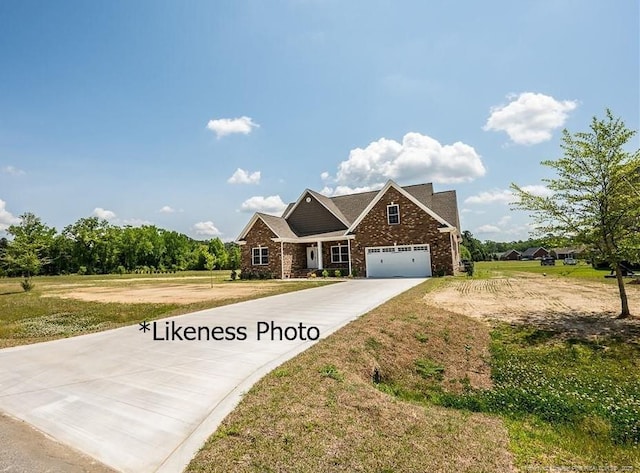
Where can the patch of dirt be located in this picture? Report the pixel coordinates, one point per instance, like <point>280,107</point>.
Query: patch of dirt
<point>165,293</point>
<point>576,308</point>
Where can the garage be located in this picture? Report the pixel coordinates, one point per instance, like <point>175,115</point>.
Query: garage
<point>407,261</point>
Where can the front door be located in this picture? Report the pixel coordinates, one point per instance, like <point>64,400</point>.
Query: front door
<point>312,257</point>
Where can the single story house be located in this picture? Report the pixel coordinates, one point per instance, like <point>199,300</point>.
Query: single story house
<point>408,231</point>
<point>511,255</point>
<point>564,253</point>
<point>535,253</point>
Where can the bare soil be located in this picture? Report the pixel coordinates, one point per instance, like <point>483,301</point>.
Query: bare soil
<point>576,308</point>
<point>165,293</point>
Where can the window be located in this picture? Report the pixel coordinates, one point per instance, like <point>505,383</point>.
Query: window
<point>259,256</point>
<point>393,214</point>
<point>340,254</point>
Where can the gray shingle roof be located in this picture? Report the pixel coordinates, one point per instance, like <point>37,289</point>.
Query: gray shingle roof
<point>349,207</point>
<point>279,226</point>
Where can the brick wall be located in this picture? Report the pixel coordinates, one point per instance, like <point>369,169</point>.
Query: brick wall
<point>326,258</point>
<point>416,226</point>
<point>260,236</point>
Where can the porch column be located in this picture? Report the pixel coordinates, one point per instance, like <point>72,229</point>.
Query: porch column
<point>349,253</point>
<point>281,260</point>
<point>320,255</point>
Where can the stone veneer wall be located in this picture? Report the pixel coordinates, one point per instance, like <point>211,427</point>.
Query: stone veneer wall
<point>260,236</point>
<point>416,226</point>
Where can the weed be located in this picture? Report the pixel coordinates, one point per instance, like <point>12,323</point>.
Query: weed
<point>330,371</point>
<point>372,344</point>
<point>421,337</point>
<point>428,369</point>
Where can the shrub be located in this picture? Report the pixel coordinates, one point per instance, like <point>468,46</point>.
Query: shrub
<point>337,273</point>
<point>121,270</point>
<point>469,267</point>
<point>82,270</point>
<point>27,284</point>
<point>325,273</point>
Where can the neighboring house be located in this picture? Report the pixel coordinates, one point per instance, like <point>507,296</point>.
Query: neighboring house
<point>406,231</point>
<point>535,253</point>
<point>510,255</point>
<point>564,253</point>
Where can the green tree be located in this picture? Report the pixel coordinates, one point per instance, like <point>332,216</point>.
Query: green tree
<point>474,246</point>
<point>217,249</point>
<point>235,255</point>
<point>28,251</point>
<point>465,254</point>
<point>595,198</point>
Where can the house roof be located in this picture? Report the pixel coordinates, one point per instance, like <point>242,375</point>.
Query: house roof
<point>351,208</point>
<point>508,252</point>
<point>408,195</point>
<point>277,225</point>
<point>532,251</point>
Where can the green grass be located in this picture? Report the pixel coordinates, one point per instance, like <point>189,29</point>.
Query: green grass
<point>485,269</point>
<point>36,316</point>
<point>575,401</point>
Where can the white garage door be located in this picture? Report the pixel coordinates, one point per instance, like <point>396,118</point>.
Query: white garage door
<point>409,261</point>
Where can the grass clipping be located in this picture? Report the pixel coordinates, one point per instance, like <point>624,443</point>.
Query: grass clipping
<point>322,411</point>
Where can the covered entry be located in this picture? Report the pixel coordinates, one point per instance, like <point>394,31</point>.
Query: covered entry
<point>409,261</point>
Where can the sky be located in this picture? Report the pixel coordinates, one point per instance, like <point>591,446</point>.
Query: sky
<point>191,116</point>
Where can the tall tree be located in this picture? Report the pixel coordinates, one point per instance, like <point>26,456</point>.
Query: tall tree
<point>28,251</point>
<point>474,246</point>
<point>595,196</point>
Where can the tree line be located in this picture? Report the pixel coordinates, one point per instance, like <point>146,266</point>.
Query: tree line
<point>94,246</point>
<point>476,250</point>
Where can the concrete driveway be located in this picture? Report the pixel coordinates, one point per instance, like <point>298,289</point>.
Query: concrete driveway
<point>140,404</point>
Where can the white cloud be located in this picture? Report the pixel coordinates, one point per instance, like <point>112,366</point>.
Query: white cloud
<point>6,217</point>
<point>529,118</point>
<point>244,177</point>
<point>325,176</point>
<point>417,158</point>
<point>136,222</point>
<point>505,196</point>
<point>504,220</point>
<point>270,205</point>
<point>227,126</point>
<point>488,229</point>
<point>206,228</point>
<point>167,210</point>
<point>103,214</point>
<point>496,196</point>
<point>537,189</point>
<point>13,171</point>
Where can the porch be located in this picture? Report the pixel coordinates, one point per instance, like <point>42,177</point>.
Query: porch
<point>308,255</point>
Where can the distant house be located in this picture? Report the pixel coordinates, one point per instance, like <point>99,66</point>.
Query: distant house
<point>535,253</point>
<point>511,255</point>
<point>564,253</point>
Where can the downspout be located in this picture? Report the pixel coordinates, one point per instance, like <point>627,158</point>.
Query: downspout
<point>349,247</point>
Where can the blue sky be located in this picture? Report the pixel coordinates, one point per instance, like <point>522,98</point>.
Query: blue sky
<point>193,115</point>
